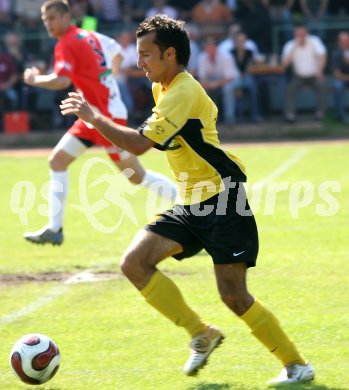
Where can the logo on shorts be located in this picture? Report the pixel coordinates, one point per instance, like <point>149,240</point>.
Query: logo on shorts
<point>238,253</point>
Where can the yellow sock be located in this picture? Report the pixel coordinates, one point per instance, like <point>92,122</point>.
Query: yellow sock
<point>165,296</point>
<point>266,328</point>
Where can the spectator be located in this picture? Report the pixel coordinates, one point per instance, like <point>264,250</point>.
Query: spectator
<point>244,59</point>
<point>340,65</point>
<point>135,10</point>
<point>107,11</point>
<point>193,34</point>
<point>184,7</point>
<point>81,18</point>
<point>9,77</point>
<point>232,5</point>
<point>78,13</point>
<point>216,72</point>
<point>255,21</point>
<point>213,17</point>
<point>307,56</point>
<point>135,89</point>
<point>28,20</point>
<point>161,7</point>
<point>14,47</point>
<point>315,12</point>
<point>6,17</point>
<point>281,15</point>
<point>228,44</point>
<point>128,65</point>
<point>28,13</point>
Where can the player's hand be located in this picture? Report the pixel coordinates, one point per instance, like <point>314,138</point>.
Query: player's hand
<point>76,105</point>
<point>30,74</point>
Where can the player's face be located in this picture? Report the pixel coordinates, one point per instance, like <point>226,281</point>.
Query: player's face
<point>55,22</point>
<point>151,60</point>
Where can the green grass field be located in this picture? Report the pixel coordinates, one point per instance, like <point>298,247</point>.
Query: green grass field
<point>110,339</point>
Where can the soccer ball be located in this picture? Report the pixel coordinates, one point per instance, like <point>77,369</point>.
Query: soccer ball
<point>35,359</point>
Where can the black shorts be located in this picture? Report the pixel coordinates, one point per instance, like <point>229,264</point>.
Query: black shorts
<point>223,225</point>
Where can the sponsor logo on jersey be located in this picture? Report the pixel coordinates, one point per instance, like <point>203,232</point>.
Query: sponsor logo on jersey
<point>64,65</point>
<point>174,144</point>
<point>171,123</point>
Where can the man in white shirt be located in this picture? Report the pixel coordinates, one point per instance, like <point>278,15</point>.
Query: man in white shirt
<point>129,64</point>
<point>217,73</point>
<point>307,55</point>
<point>134,87</point>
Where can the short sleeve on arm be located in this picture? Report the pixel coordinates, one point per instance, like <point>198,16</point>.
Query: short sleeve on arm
<point>114,48</point>
<point>320,48</point>
<point>64,61</point>
<point>109,46</point>
<point>168,118</point>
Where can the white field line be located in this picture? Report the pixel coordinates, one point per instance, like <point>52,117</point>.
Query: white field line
<point>40,302</point>
<point>283,168</point>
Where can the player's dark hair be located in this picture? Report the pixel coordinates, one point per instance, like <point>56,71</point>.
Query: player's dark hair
<point>168,33</point>
<point>62,6</point>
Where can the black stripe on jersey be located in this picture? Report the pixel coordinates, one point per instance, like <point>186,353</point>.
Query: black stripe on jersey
<point>225,166</point>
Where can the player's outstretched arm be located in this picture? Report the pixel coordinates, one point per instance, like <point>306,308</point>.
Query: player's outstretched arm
<point>125,137</point>
<point>76,105</point>
<point>34,78</point>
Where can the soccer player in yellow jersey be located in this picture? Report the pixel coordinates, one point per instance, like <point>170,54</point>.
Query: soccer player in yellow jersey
<point>211,210</point>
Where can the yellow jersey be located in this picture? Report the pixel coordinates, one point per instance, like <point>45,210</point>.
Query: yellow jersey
<point>183,124</point>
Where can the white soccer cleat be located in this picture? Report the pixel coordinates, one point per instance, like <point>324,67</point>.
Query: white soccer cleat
<point>202,346</point>
<point>294,373</point>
